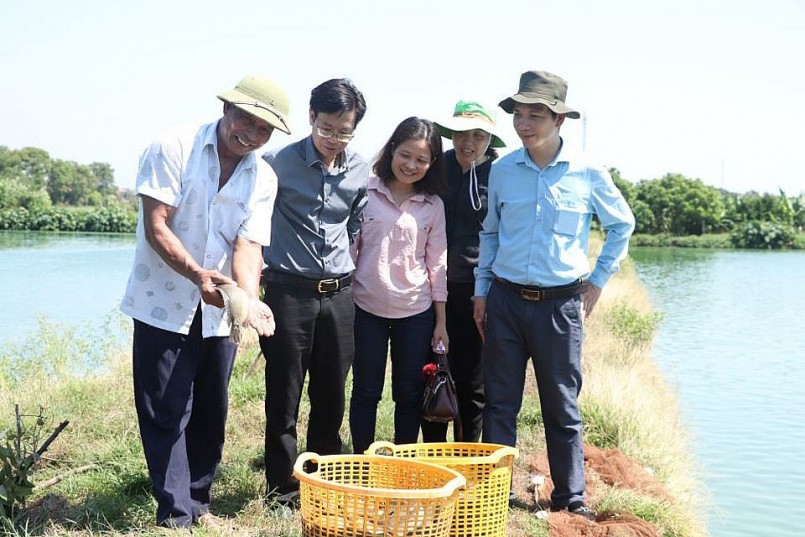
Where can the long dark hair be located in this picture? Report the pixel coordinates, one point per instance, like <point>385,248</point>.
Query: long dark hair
<point>414,128</point>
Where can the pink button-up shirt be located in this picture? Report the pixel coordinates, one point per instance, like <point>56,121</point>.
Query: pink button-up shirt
<point>400,254</point>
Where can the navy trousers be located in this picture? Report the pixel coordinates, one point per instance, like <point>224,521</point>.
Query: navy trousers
<point>181,395</point>
<point>549,333</point>
<point>410,339</point>
<point>314,338</point>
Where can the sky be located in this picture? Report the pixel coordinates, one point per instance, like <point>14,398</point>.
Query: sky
<point>711,89</point>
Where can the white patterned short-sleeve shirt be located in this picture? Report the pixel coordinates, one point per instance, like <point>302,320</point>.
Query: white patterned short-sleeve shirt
<point>181,169</point>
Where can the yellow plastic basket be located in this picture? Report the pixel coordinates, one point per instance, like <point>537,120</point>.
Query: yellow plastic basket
<point>374,496</point>
<point>482,508</point>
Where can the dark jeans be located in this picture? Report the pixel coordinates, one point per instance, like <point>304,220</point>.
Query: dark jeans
<point>181,395</point>
<point>466,367</point>
<point>549,333</point>
<point>410,350</point>
<point>314,337</point>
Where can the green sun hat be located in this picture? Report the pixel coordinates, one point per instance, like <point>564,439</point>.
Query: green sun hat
<point>470,115</point>
<point>541,87</point>
<point>261,97</point>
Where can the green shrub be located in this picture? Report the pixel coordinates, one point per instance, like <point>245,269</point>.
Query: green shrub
<point>110,219</point>
<point>763,235</point>
<point>633,327</point>
<point>15,219</point>
<point>20,448</point>
<point>15,194</point>
<point>113,219</point>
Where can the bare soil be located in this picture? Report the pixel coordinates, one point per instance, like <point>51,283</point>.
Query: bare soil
<point>603,467</point>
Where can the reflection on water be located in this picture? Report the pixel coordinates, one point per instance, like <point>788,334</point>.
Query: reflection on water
<point>733,343</point>
<point>67,278</point>
<point>66,241</point>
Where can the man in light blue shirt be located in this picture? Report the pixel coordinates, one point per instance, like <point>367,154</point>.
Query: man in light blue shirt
<point>533,284</point>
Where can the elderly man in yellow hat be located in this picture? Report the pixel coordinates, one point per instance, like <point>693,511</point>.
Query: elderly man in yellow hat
<point>533,284</point>
<point>206,201</point>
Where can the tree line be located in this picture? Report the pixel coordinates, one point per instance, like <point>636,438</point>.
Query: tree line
<point>41,193</point>
<point>679,206</point>
<point>38,192</point>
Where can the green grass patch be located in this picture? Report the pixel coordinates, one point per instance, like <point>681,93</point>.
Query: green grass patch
<point>632,326</point>
<point>606,427</point>
<point>708,240</point>
<point>664,515</point>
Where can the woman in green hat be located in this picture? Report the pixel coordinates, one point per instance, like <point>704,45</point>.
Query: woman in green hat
<point>472,130</point>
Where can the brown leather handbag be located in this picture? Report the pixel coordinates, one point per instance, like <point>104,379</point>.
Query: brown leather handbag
<point>439,402</point>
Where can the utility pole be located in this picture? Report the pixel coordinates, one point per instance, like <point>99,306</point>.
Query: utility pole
<point>584,133</point>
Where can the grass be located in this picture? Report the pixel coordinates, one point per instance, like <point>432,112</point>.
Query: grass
<point>707,240</point>
<point>625,404</point>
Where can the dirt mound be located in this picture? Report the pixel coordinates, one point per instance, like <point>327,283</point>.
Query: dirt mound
<point>563,524</point>
<point>616,470</point>
<point>602,467</point>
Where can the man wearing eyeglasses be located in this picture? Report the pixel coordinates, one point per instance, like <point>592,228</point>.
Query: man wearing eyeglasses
<point>319,207</point>
<point>205,212</point>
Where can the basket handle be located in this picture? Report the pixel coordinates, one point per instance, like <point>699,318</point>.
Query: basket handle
<point>383,445</point>
<point>505,452</point>
<point>457,483</point>
<point>307,456</point>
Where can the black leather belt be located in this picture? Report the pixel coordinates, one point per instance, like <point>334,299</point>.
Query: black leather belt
<point>535,293</point>
<point>328,285</point>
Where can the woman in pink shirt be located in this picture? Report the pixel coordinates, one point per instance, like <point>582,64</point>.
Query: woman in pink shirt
<point>400,283</point>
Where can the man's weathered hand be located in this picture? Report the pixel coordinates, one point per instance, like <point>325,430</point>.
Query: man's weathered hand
<point>261,318</point>
<point>206,280</point>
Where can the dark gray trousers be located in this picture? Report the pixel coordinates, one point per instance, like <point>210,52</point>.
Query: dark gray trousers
<point>549,333</point>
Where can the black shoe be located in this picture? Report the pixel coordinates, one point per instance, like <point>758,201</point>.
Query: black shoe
<point>173,527</point>
<point>287,496</point>
<point>289,499</point>
<point>579,509</point>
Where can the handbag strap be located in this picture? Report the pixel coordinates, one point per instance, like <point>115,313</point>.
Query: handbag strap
<point>458,431</point>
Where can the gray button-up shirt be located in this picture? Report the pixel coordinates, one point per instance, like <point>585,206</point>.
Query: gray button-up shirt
<point>317,213</point>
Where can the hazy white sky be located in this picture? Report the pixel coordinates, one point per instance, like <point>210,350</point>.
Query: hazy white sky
<point>708,88</point>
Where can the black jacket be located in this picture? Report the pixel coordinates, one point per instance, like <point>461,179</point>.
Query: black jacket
<point>463,222</point>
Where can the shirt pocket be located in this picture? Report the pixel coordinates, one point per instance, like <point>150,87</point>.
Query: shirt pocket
<point>422,235</point>
<point>568,221</point>
<point>373,229</point>
<point>226,216</point>
<point>409,238</point>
